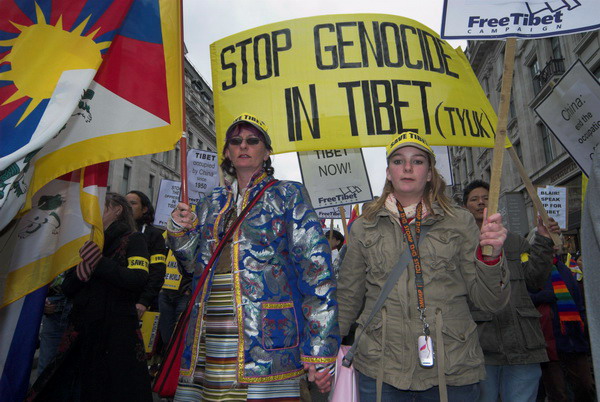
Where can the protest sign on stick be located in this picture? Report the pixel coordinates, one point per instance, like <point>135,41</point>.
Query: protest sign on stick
<point>203,174</point>
<point>494,19</point>
<point>335,177</point>
<point>363,79</point>
<point>168,196</point>
<point>537,203</point>
<point>554,200</point>
<point>571,111</point>
<point>331,212</point>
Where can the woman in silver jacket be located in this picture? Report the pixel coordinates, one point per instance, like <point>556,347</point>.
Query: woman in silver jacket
<point>422,344</point>
<point>268,311</point>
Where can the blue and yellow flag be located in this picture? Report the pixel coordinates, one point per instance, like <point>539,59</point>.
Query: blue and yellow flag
<point>82,82</point>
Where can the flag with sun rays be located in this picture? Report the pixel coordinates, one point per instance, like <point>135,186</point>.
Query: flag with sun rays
<point>82,82</point>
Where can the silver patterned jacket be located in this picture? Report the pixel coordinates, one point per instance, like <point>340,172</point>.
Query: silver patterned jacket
<point>284,287</point>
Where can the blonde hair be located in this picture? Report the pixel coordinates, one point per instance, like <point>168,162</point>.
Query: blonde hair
<point>434,193</point>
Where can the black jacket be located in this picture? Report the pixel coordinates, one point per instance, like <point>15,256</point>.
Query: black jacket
<point>106,361</point>
<point>158,254</point>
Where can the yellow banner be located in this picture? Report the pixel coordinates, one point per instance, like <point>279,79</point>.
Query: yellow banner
<point>349,81</point>
<point>172,275</point>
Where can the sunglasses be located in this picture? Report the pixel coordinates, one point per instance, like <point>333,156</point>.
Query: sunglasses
<point>237,141</point>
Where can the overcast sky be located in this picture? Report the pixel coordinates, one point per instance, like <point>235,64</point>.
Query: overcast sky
<point>210,20</point>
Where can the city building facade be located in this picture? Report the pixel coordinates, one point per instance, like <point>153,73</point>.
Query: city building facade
<point>145,172</point>
<point>539,64</point>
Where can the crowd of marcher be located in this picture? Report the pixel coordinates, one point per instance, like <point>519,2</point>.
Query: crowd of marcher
<point>438,300</point>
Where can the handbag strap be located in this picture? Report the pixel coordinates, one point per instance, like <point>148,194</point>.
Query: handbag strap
<point>390,283</point>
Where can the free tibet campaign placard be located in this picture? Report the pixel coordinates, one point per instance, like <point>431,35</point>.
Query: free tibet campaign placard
<point>335,177</point>
<point>494,19</point>
<point>572,113</point>
<point>333,212</point>
<point>349,81</point>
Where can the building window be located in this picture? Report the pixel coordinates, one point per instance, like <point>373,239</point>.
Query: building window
<point>512,113</point>
<point>596,72</point>
<point>518,149</point>
<point>534,70</point>
<point>166,157</point>
<point>125,181</point>
<point>151,188</point>
<point>547,144</point>
<point>469,157</point>
<point>556,52</point>
<point>457,170</point>
<point>200,144</point>
<point>176,157</point>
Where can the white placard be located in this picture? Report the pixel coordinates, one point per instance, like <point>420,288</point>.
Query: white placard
<point>203,177</point>
<point>572,113</point>
<point>168,197</point>
<point>493,19</point>
<point>335,177</point>
<point>554,200</point>
<point>333,212</point>
<point>203,172</point>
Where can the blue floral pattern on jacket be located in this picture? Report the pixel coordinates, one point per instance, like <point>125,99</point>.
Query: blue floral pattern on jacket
<point>284,286</point>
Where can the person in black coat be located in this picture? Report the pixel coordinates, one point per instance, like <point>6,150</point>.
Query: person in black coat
<point>102,356</point>
<point>143,213</point>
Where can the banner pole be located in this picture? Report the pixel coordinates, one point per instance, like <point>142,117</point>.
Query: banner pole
<point>344,224</point>
<point>330,229</point>
<point>533,194</point>
<point>183,140</point>
<point>498,156</point>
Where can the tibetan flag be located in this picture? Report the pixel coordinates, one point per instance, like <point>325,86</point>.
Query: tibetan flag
<point>19,328</point>
<point>37,247</point>
<point>46,240</point>
<point>83,82</point>
<point>574,267</point>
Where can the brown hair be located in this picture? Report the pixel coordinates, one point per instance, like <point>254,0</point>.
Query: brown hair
<point>434,193</point>
<point>126,215</point>
<point>227,165</point>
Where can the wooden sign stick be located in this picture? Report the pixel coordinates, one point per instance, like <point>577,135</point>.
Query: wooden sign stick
<point>330,229</point>
<point>533,194</point>
<point>344,224</point>
<point>507,78</point>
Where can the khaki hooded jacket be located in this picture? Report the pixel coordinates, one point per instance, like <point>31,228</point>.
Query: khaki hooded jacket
<point>452,276</point>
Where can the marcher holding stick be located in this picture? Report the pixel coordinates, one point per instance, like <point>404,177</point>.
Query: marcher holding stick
<point>423,337</point>
<point>267,312</point>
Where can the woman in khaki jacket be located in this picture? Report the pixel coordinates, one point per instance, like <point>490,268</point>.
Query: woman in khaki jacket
<point>422,344</point>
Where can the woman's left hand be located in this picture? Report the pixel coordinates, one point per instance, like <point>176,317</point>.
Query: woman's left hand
<point>322,379</point>
<point>493,233</point>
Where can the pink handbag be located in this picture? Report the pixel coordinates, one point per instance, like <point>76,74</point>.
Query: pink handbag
<point>345,386</point>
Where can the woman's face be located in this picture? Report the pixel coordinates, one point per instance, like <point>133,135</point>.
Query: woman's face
<point>246,157</point>
<point>136,205</point>
<point>409,171</point>
<point>111,213</point>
